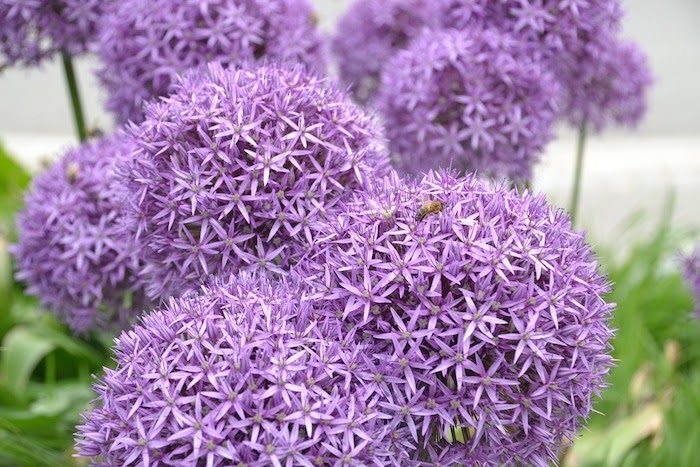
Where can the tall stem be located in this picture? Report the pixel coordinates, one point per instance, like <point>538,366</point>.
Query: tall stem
<point>74,96</point>
<point>576,192</point>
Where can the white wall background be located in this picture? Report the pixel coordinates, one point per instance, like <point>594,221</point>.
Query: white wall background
<point>625,171</point>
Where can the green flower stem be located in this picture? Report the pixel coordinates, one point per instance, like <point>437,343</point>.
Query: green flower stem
<point>576,191</point>
<point>50,372</point>
<point>74,96</point>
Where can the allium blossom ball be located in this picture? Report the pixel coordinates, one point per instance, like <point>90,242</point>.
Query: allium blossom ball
<point>33,30</point>
<point>691,272</point>
<point>490,309</point>
<point>552,27</point>
<point>72,252</point>
<point>371,33</point>
<point>234,168</point>
<point>242,374</point>
<point>606,84</point>
<point>145,44</point>
<point>473,101</point>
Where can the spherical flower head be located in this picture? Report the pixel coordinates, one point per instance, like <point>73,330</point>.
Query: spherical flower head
<point>472,100</point>
<point>242,374</point>
<point>553,28</point>
<point>71,251</point>
<point>371,33</point>
<point>691,272</point>
<point>144,45</point>
<point>233,169</point>
<point>490,309</point>
<point>33,30</point>
<point>606,84</point>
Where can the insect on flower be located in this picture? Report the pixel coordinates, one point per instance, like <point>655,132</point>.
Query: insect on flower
<point>430,207</point>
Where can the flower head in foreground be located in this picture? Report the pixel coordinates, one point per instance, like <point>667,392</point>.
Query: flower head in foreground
<point>236,166</point>
<point>552,27</point>
<point>490,310</point>
<point>242,374</point>
<point>691,272</point>
<point>371,33</point>
<point>475,101</point>
<point>606,84</point>
<point>145,44</point>
<point>71,250</point>
<point>32,30</point>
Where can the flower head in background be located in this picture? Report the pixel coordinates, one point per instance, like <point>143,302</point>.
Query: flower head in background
<point>71,251</point>
<point>33,30</point>
<point>553,28</point>
<point>371,33</point>
<point>234,168</point>
<point>145,44</point>
<point>606,84</point>
<point>691,272</point>
<point>242,374</point>
<point>490,309</point>
<point>475,101</point>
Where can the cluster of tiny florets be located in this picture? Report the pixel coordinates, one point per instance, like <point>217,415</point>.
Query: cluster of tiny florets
<point>144,45</point>
<point>691,272</point>
<point>72,252</point>
<point>32,30</point>
<point>490,309</point>
<point>233,169</point>
<point>371,33</point>
<point>470,100</point>
<point>606,84</point>
<point>242,374</point>
<point>551,27</point>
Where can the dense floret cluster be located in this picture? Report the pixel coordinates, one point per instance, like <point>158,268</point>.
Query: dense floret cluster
<point>475,101</point>
<point>606,84</point>
<point>371,33</point>
<point>235,167</point>
<point>144,45</point>
<point>551,27</point>
<point>72,252</point>
<point>32,30</point>
<point>489,307</point>
<point>243,374</point>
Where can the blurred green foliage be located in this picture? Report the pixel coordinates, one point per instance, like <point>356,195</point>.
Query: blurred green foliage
<point>651,409</point>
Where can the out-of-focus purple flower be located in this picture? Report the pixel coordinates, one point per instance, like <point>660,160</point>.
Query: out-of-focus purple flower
<point>246,373</point>
<point>691,272</point>
<point>551,27</point>
<point>472,100</point>
<point>71,251</point>
<point>605,84</point>
<point>235,167</point>
<point>32,30</point>
<point>145,44</point>
<point>371,33</point>
<point>490,309</point>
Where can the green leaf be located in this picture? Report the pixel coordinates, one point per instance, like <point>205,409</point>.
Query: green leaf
<point>14,179</point>
<point>23,349</point>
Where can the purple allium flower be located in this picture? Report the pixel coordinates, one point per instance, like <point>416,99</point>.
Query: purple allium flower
<point>235,167</point>
<point>472,100</point>
<point>32,30</point>
<point>71,250</point>
<point>243,374</point>
<point>371,33</point>
<point>145,44</point>
<point>691,272</point>
<point>552,27</point>
<point>490,309</point>
<point>605,84</point>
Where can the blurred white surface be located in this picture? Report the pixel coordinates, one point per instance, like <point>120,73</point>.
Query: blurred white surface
<point>624,172</point>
